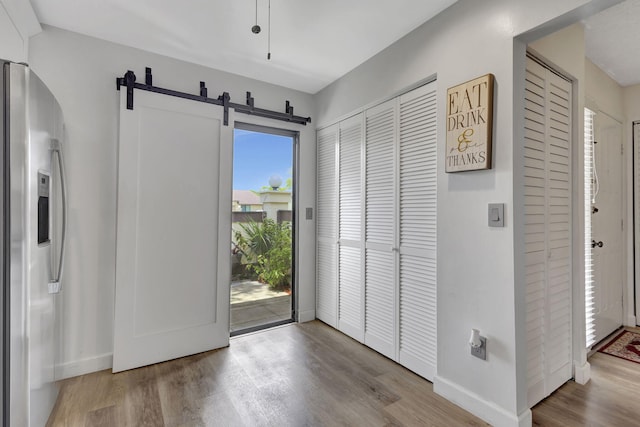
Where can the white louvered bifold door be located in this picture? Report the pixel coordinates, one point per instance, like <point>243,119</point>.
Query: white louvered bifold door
<point>417,220</point>
<point>535,225</point>
<point>547,230</point>
<point>350,282</point>
<point>380,209</point>
<point>558,346</point>
<point>326,226</point>
<point>376,228</point>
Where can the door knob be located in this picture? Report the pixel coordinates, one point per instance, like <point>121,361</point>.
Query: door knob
<point>598,244</point>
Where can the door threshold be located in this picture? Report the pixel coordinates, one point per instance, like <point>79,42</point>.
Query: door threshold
<point>260,327</point>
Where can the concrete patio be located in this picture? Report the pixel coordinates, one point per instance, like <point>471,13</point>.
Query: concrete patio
<point>254,304</point>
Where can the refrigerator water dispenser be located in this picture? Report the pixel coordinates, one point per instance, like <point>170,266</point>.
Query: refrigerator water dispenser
<point>43,208</point>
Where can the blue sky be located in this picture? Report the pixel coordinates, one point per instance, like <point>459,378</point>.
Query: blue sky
<point>257,156</point>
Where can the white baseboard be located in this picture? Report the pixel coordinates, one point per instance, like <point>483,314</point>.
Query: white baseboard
<point>582,374</point>
<point>306,316</point>
<point>84,366</point>
<point>480,407</point>
<point>631,321</point>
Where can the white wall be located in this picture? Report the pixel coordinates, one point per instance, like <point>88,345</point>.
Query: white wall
<point>476,279</point>
<point>631,102</point>
<point>602,92</point>
<point>631,105</point>
<point>17,23</point>
<point>81,72</point>
<point>12,45</point>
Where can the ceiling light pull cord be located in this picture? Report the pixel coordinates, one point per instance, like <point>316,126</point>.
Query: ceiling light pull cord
<point>256,28</point>
<point>269,34</point>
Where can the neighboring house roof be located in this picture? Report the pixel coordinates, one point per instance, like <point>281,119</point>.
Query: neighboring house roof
<point>246,197</point>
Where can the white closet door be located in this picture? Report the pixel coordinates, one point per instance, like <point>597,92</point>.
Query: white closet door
<point>417,219</point>
<point>326,227</point>
<point>559,348</point>
<point>350,284</point>
<point>380,209</point>
<point>535,226</point>
<point>174,221</point>
<point>547,230</point>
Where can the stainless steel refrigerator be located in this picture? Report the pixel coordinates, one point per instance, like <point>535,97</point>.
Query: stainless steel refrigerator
<point>33,199</point>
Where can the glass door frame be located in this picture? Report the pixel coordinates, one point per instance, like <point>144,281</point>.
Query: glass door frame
<point>295,140</point>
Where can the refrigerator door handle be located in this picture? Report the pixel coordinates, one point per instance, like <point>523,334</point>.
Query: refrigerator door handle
<point>56,149</point>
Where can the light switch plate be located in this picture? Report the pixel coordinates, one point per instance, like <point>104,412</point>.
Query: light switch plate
<point>496,214</point>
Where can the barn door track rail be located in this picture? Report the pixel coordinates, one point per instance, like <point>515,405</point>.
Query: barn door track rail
<point>224,100</point>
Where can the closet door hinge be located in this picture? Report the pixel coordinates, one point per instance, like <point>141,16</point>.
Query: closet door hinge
<point>621,150</point>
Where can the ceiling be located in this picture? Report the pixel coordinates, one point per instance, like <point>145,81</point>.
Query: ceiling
<point>313,43</point>
<point>613,41</point>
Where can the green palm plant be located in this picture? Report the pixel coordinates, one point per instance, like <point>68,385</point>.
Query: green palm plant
<point>267,248</point>
<point>254,239</point>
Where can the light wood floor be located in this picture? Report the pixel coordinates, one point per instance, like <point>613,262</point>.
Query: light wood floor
<point>310,374</point>
<point>298,375</point>
<point>610,399</point>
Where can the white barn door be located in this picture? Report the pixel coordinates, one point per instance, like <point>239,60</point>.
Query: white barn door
<point>174,230</point>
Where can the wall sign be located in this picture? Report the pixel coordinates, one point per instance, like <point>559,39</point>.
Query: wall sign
<point>470,125</point>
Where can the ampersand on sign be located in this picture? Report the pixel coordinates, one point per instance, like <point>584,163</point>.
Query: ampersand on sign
<point>464,140</point>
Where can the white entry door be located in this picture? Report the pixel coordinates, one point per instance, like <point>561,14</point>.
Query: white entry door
<point>607,226</point>
<point>173,242</point>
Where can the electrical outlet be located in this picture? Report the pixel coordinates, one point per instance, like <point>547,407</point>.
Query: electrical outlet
<point>480,352</point>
